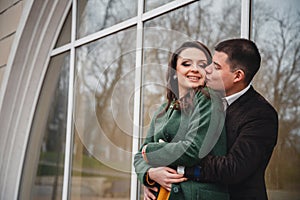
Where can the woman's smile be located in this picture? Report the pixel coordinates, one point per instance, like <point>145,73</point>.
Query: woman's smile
<point>193,78</point>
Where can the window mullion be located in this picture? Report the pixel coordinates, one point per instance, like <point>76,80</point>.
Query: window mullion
<point>69,131</point>
<point>246,18</point>
<point>134,193</point>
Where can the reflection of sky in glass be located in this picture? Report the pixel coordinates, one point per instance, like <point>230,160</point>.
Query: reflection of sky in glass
<point>283,6</point>
<point>95,15</point>
<point>152,4</point>
<point>277,22</point>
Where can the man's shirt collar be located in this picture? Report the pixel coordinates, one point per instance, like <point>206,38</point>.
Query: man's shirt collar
<point>232,98</point>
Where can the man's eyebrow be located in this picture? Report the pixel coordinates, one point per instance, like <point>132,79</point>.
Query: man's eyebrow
<point>216,63</point>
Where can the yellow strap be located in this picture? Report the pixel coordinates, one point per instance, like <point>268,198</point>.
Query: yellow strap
<point>163,194</point>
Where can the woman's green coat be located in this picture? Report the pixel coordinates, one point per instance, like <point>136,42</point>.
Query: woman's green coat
<point>188,136</point>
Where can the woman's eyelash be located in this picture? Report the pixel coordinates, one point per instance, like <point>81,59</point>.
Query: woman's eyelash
<point>186,64</point>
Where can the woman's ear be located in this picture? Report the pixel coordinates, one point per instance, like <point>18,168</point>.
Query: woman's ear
<point>239,75</point>
<point>175,76</point>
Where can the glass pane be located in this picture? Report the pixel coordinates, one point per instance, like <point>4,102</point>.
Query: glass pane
<point>206,21</point>
<point>95,15</point>
<point>50,126</point>
<point>104,117</point>
<point>65,34</point>
<point>151,4</point>
<point>276,32</point>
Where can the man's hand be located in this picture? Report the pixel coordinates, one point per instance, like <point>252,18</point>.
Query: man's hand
<point>148,195</point>
<point>165,176</point>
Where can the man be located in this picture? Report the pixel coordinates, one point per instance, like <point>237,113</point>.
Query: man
<point>251,125</point>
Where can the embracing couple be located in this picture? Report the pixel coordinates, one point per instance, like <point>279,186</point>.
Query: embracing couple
<point>213,137</point>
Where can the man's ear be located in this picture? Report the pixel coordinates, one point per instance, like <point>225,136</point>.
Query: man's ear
<point>239,75</point>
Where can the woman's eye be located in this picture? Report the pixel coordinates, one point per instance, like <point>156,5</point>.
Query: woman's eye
<point>186,64</point>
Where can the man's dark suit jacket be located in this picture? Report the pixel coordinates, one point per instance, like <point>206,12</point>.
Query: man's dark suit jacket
<point>251,128</point>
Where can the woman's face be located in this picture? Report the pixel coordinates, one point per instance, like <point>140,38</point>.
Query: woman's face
<point>190,70</point>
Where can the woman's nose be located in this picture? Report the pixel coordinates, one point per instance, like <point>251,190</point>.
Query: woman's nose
<point>195,67</point>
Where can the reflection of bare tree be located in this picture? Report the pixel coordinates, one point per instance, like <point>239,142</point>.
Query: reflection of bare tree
<point>279,81</point>
<point>208,21</point>
<point>97,15</point>
<point>102,66</point>
<point>104,96</point>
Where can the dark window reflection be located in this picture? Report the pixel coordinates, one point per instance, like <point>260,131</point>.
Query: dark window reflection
<point>65,34</point>
<point>50,126</point>
<point>276,31</point>
<point>95,15</point>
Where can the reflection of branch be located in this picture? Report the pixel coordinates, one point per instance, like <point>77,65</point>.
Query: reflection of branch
<point>106,16</point>
<point>285,76</point>
<point>292,76</point>
<point>281,55</point>
<point>108,89</point>
<point>277,95</point>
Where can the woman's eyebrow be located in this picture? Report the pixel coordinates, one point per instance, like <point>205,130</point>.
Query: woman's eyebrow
<point>183,58</point>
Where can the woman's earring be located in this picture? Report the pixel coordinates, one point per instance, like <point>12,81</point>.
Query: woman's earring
<point>174,77</point>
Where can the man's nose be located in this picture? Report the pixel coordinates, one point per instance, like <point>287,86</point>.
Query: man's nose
<point>208,69</point>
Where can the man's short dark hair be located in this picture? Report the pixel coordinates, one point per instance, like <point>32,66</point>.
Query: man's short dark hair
<point>242,54</point>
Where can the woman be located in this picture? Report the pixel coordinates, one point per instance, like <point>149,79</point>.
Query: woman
<point>184,129</point>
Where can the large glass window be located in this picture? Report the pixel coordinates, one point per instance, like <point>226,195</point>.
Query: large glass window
<point>276,32</point>
<point>104,117</point>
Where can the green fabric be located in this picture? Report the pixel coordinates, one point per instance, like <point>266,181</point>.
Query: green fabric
<point>188,138</point>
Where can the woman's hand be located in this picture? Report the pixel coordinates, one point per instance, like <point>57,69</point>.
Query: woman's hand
<point>148,195</point>
<point>165,176</point>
